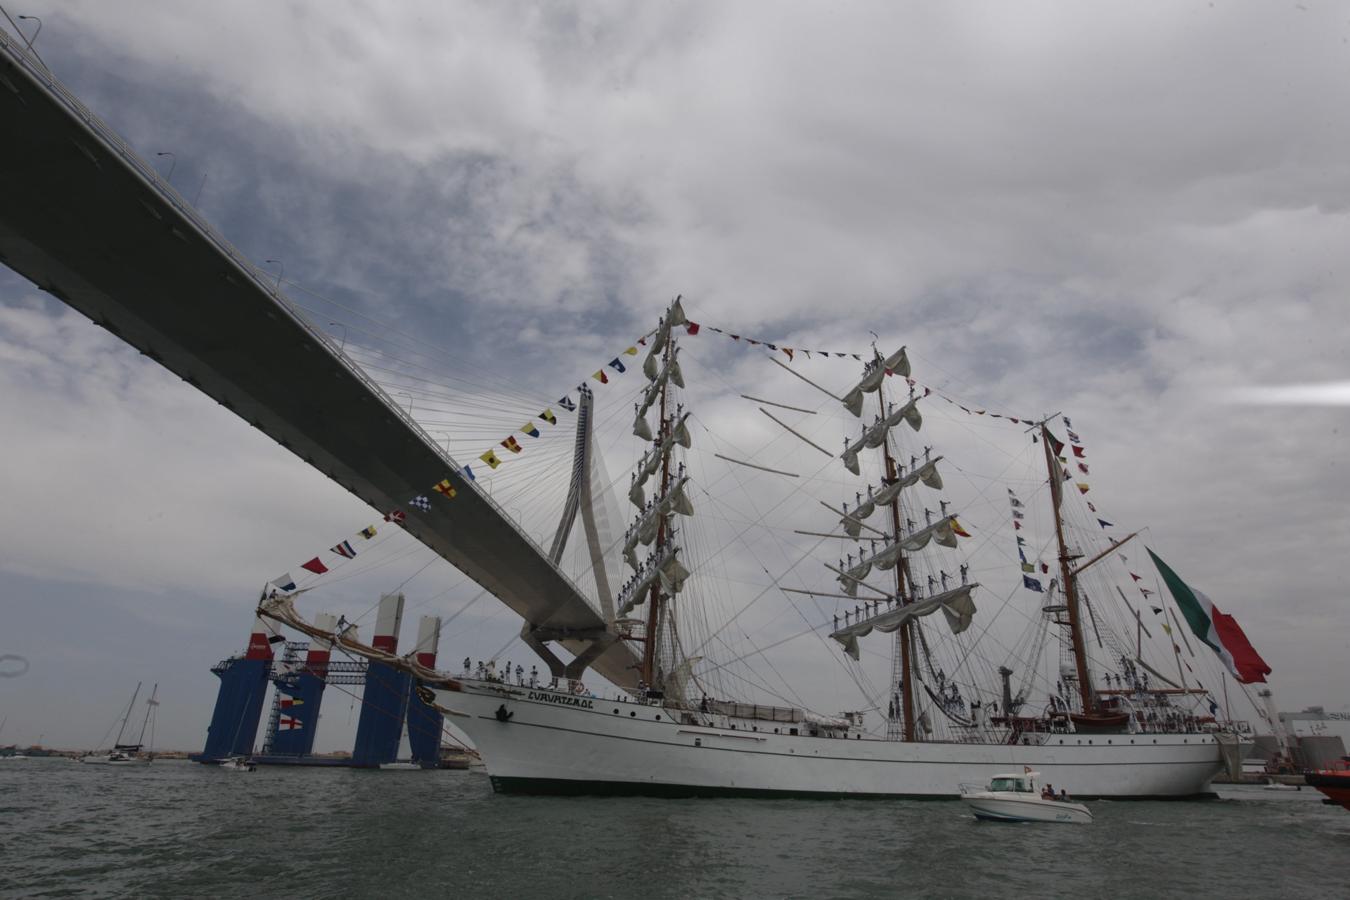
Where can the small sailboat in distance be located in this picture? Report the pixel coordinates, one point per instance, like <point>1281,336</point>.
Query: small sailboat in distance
<point>128,754</point>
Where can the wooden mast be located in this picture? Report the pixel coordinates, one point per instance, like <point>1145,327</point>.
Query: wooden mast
<point>654,610</point>
<point>1085,691</point>
<point>901,575</point>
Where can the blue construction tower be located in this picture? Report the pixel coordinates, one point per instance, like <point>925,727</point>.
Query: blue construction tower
<point>424,722</point>
<point>243,686</point>
<point>385,697</point>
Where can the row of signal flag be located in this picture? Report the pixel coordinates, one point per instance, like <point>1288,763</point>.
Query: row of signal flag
<point>513,444</point>
<point>791,353</point>
<point>1018,515</point>
<point>346,549</point>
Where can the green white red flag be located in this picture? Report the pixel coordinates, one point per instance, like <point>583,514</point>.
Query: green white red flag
<point>1219,630</point>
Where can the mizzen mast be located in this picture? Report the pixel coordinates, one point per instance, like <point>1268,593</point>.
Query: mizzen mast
<point>1056,474</point>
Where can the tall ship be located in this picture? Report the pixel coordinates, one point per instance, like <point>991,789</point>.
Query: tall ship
<point>1080,697</point>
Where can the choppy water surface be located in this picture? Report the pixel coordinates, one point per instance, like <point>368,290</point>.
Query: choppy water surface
<point>182,830</point>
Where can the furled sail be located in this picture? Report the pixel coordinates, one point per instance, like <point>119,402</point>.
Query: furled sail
<point>850,577</point>
<point>927,473</point>
<point>897,362</point>
<point>957,606</point>
<point>674,316</point>
<point>644,530</point>
<point>941,531</point>
<point>652,393</point>
<point>875,434</point>
<point>662,567</point>
<point>650,464</point>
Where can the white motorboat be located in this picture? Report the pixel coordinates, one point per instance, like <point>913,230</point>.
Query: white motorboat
<point>1015,798</point>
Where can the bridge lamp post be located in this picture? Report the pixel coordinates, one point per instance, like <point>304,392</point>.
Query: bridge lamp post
<point>344,333</point>
<point>281,269</point>
<point>173,162</point>
<point>35,33</point>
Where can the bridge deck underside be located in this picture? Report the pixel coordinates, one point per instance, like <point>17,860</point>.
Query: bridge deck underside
<point>86,223</point>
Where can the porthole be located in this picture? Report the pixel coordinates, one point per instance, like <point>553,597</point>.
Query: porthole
<point>775,731</point>
<point>1089,740</point>
<point>754,728</point>
<point>658,717</point>
<point>1155,740</point>
<point>616,711</point>
<point>634,713</point>
<point>1061,740</point>
<point>1108,740</point>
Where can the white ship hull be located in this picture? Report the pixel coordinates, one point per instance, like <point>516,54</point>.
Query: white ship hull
<point>555,743</point>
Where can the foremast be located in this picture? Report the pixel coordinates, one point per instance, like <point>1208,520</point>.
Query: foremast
<point>658,578</point>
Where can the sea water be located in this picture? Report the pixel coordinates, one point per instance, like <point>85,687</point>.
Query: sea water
<point>177,829</point>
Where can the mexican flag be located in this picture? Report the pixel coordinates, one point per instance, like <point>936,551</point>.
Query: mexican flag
<point>1219,631</point>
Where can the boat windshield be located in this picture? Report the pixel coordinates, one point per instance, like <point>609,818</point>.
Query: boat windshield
<point>1010,784</point>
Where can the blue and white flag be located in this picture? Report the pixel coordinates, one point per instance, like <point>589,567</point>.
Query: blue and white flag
<point>420,502</point>
<point>1032,584</point>
<point>284,583</point>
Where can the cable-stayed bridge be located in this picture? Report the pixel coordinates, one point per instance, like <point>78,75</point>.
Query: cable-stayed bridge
<point>90,222</point>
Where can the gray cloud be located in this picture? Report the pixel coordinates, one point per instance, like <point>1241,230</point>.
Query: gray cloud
<point>1121,213</point>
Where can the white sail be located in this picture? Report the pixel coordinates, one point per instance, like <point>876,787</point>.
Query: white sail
<point>940,531</point>
<point>957,605</point>
<point>644,530</point>
<point>875,434</point>
<point>927,473</point>
<point>897,362</point>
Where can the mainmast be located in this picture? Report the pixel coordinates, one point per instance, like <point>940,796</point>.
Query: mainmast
<point>901,576</point>
<point>894,614</point>
<point>1085,691</point>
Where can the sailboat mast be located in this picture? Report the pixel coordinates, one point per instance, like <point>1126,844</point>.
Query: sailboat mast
<point>149,708</point>
<point>1066,576</point>
<point>654,603</point>
<point>127,716</point>
<point>901,571</point>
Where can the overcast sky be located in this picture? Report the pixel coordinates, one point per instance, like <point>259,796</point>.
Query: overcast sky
<point>1135,213</point>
